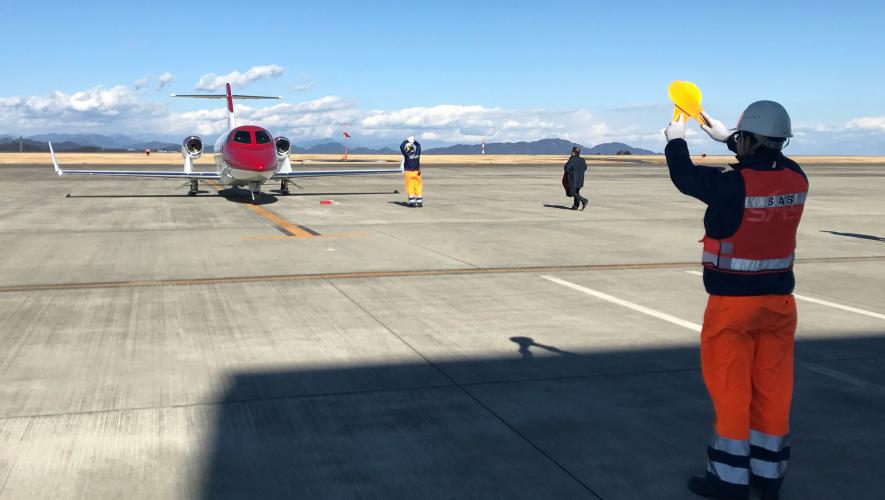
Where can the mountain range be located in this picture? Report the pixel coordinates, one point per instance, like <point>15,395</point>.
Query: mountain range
<point>541,147</point>
<point>119,142</point>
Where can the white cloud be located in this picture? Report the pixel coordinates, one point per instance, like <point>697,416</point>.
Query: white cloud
<point>211,81</point>
<point>98,108</point>
<point>122,109</point>
<point>164,80</point>
<point>141,82</point>
<point>304,86</point>
<point>875,123</point>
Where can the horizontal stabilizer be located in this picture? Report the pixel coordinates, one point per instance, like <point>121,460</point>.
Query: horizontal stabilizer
<point>224,96</point>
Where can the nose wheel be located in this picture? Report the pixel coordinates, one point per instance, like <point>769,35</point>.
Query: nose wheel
<point>255,192</point>
<point>195,186</point>
<point>284,186</point>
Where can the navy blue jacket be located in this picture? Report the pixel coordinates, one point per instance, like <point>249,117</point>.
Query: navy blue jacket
<point>413,159</point>
<point>724,193</point>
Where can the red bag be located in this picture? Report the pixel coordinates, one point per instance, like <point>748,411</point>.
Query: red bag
<point>565,183</point>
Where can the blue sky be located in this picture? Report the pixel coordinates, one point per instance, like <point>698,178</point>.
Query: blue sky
<point>446,71</point>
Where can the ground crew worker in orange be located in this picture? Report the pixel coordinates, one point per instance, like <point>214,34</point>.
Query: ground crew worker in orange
<point>752,217</point>
<point>411,150</point>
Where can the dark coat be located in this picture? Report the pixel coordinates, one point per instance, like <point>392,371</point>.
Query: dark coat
<point>574,172</point>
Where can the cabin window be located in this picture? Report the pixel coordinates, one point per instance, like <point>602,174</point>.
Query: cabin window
<point>262,137</point>
<point>242,137</point>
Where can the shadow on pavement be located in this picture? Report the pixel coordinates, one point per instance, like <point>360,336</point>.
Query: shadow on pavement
<point>171,195</point>
<point>278,192</point>
<point>237,195</point>
<point>856,235</point>
<point>628,423</point>
<point>526,343</point>
<point>400,203</point>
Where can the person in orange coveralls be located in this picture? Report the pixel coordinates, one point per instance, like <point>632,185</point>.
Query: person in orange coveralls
<point>751,223</point>
<point>411,150</point>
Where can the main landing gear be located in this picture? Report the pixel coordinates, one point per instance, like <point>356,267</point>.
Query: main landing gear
<point>195,185</point>
<point>284,186</point>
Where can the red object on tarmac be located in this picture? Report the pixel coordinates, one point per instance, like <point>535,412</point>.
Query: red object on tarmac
<point>326,202</point>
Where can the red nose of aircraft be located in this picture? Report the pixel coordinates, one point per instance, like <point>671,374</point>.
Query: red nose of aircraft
<point>250,148</point>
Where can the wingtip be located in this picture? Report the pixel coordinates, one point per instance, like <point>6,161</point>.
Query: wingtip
<point>57,168</point>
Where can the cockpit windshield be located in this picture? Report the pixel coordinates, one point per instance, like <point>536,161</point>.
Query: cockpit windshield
<point>242,137</point>
<point>262,137</point>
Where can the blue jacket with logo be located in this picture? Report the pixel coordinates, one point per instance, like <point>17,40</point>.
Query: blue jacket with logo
<point>413,159</point>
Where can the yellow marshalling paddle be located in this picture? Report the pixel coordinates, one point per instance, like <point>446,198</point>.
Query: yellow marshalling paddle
<point>687,98</point>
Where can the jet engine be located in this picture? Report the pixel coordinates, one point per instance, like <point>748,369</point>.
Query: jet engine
<point>192,147</point>
<point>283,146</point>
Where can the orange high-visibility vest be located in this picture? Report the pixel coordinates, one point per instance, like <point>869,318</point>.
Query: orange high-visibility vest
<point>765,242</point>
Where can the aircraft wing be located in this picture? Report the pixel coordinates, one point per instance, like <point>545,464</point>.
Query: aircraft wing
<point>330,173</point>
<point>133,173</point>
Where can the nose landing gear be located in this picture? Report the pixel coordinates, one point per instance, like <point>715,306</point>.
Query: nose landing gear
<point>255,192</point>
<point>284,186</point>
<point>195,185</point>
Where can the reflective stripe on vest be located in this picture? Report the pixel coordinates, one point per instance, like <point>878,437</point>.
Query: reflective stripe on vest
<point>748,265</point>
<point>766,238</point>
<point>781,200</point>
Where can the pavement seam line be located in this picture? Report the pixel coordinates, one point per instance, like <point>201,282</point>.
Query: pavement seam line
<point>471,396</point>
<point>425,248</point>
<point>823,370</point>
<point>390,274</point>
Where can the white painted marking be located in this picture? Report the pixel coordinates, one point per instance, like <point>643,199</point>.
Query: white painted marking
<point>842,377</point>
<point>824,303</point>
<point>630,305</point>
<point>840,306</point>
<point>823,370</point>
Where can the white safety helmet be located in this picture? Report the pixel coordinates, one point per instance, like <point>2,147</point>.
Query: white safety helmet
<point>410,139</point>
<point>766,119</point>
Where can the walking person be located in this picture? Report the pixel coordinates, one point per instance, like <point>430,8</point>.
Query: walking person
<point>751,223</point>
<point>573,178</point>
<point>411,150</point>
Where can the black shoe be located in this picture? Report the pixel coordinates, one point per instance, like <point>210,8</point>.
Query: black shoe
<point>420,204</point>
<point>411,204</point>
<point>584,204</point>
<point>699,485</point>
<point>764,493</point>
<point>768,495</point>
<point>575,206</point>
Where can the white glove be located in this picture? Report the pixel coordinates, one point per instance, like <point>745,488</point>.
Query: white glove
<point>716,129</point>
<point>675,130</point>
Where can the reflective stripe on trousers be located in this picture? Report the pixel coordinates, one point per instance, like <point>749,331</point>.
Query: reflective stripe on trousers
<point>732,462</point>
<point>728,466</point>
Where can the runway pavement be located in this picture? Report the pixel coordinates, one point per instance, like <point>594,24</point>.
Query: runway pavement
<point>490,345</point>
